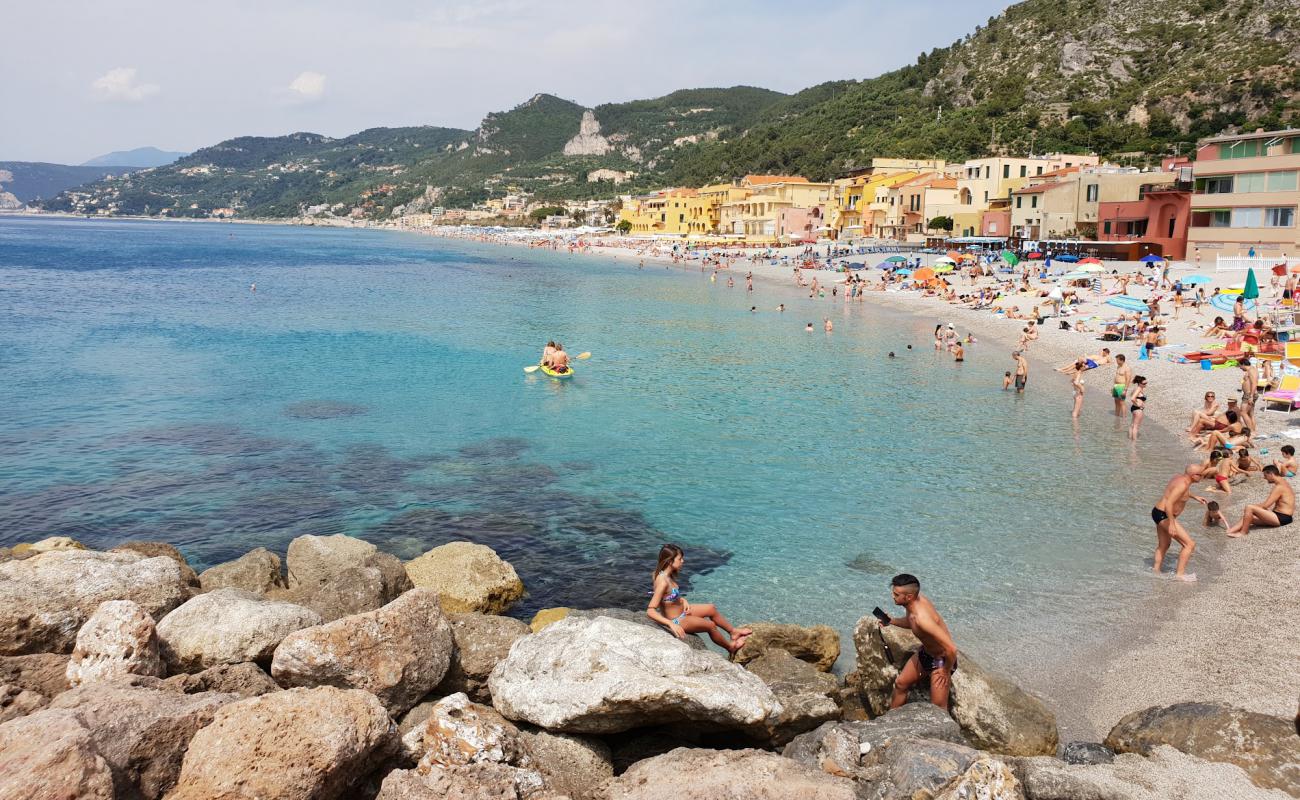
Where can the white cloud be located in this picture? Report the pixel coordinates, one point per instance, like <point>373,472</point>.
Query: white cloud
<point>308,86</point>
<point>121,84</point>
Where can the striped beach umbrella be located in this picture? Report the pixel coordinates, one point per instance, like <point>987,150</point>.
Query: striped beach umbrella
<point>1126,303</point>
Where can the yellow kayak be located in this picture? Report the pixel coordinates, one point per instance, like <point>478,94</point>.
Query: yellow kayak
<point>558,375</point>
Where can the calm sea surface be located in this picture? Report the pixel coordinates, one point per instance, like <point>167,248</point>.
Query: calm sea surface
<point>373,385</point>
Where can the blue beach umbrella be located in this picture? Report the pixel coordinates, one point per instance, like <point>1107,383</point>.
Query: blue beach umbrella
<point>1193,280</point>
<point>903,272</point>
<point>1151,259</point>
<point>1067,258</point>
<point>1126,303</point>
<point>1225,302</point>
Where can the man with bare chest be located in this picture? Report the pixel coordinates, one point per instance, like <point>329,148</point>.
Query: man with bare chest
<point>937,657</point>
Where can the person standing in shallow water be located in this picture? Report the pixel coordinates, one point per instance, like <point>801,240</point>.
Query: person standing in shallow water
<point>937,658</point>
<point>1168,528</point>
<point>669,607</point>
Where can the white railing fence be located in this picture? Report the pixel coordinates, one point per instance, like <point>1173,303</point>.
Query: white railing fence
<point>1258,263</point>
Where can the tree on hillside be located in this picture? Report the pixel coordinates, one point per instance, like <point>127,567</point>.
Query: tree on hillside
<point>539,214</point>
<point>941,223</point>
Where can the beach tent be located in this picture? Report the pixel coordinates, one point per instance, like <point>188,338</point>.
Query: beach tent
<point>896,260</point>
<point>1193,280</point>
<point>1126,303</point>
<point>1151,259</point>
<point>1010,257</point>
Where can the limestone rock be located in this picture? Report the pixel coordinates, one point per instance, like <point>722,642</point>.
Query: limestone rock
<point>577,766</point>
<point>50,755</point>
<point>245,680</point>
<point>43,673</point>
<point>605,676</point>
<point>467,577</point>
<point>336,576</point>
<point>687,774</point>
<point>807,697</point>
<point>398,653</point>
<point>482,640</point>
<point>228,626</point>
<point>50,545</point>
<point>459,731</point>
<point>986,779</point>
<point>1046,778</point>
<point>257,571</point>
<point>1267,748</point>
<point>546,616</point>
<point>695,642</point>
<point>1164,775</point>
<point>1086,753</point>
<point>996,714</point>
<point>588,141</point>
<point>840,744</point>
<point>486,781</point>
<point>152,549</point>
<point>313,560</point>
<point>16,702</point>
<point>299,744</point>
<point>119,639</point>
<point>818,645</point>
<point>917,767</point>
<point>141,732</point>
<point>45,599</point>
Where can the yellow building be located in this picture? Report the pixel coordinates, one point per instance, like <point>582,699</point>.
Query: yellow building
<point>664,213</point>
<point>986,179</point>
<point>772,204</point>
<point>704,211</point>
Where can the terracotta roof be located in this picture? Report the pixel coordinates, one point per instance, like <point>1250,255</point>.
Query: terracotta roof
<point>1039,189</point>
<point>760,180</point>
<point>943,183</point>
<point>1056,173</point>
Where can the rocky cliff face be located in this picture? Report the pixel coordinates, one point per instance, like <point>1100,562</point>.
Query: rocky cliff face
<point>588,142</point>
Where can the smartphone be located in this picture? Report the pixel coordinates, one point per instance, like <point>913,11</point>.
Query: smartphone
<point>881,615</point>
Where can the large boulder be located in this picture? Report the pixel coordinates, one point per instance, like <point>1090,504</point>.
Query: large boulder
<point>15,702</point>
<point>245,680</point>
<point>605,676</point>
<point>141,732</point>
<point>695,642</point>
<point>995,713</point>
<point>807,696</point>
<point>51,756</point>
<point>48,545</point>
<point>987,779</point>
<point>482,781</point>
<point>576,766</point>
<point>547,616</point>
<point>906,768</point>
<point>398,653</point>
<point>119,639</point>
<point>45,599</point>
<point>337,576</point>
<point>836,747</point>
<point>152,549</point>
<point>256,571</point>
<point>818,645</point>
<point>1267,748</point>
<point>313,560</point>
<point>467,577</point>
<point>1165,773</point>
<point>43,673</point>
<point>228,626</point>
<point>482,640</point>
<point>689,774</point>
<point>299,744</point>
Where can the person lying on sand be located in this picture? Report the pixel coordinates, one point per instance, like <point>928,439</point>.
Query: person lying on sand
<point>1090,362</point>
<point>669,607</point>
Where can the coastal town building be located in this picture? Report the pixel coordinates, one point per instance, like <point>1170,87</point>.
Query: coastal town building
<point>1066,202</point>
<point>1245,196</point>
<point>1158,219</point>
<point>986,179</point>
<point>759,214</point>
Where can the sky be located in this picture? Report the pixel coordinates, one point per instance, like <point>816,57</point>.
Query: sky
<point>85,78</point>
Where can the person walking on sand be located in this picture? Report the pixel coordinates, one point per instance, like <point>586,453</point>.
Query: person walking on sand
<point>1123,376</point>
<point>1168,528</point>
<point>937,658</point>
<point>669,607</point>
<point>1137,399</point>
<point>1022,371</point>
<point>1275,512</point>
<point>1249,390</point>
<point>1076,383</point>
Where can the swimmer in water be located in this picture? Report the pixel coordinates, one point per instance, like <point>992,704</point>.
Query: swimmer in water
<point>808,327</point>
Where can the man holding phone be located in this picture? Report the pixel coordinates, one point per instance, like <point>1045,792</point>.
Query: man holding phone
<point>937,657</point>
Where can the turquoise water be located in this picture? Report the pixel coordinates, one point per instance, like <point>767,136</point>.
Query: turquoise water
<point>373,385</point>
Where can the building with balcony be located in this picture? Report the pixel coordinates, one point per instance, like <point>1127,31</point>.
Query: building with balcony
<point>759,214</point>
<point>1245,196</point>
<point>983,180</point>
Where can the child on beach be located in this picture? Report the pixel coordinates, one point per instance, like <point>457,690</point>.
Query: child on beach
<point>1287,466</point>
<point>1213,516</point>
<point>1006,381</point>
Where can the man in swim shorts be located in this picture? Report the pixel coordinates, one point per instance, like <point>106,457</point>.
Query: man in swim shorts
<point>1022,371</point>
<point>937,658</point>
<point>1123,376</point>
<point>1168,528</point>
<point>1275,512</point>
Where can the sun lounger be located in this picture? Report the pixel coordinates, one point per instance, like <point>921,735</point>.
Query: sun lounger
<point>1287,394</point>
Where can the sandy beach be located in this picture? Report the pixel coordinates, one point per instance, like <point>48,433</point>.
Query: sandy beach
<point>1229,638</point>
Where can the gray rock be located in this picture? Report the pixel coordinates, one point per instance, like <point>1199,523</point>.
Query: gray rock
<point>460,731</point>
<point>988,779</point>
<point>313,560</point>
<point>398,653</point>
<point>484,781</point>
<point>16,702</point>
<point>1046,778</point>
<point>152,549</point>
<point>374,581</point>
<point>245,680</point>
<point>577,766</point>
<point>687,774</point>
<point>45,599</point>
<point>299,744</point>
<point>1086,753</point>
<point>43,673</point>
<point>907,768</point>
<point>807,696</point>
<point>257,571</point>
<point>605,676</point>
<point>1267,748</point>
<point>119,639</point>
<point>819,645</point>
<point>142,733</point>
<point>228,626</point>
<point>695,642</point>
<point>995,713</point>
<point>482,641</point>
<point>912,721</point>
<point>50,755</point>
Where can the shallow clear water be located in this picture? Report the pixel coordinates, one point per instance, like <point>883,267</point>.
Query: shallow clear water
<point>373,385</point>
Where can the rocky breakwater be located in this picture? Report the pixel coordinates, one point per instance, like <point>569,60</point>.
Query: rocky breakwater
<point>125,687</point>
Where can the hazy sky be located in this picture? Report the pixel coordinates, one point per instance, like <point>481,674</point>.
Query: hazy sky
<point>78,78</point>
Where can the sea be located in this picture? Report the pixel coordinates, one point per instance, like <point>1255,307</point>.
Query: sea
<point>373,385</point>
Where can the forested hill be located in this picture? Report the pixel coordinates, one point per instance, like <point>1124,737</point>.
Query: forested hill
<point>1129,80</point>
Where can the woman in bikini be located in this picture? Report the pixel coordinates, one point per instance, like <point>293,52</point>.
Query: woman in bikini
<point>668,606</point>
<point>1137,398</point>
<point>1080,367</point>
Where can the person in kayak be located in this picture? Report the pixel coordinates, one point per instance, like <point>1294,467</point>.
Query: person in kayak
<point>559,359</point>
<point>547,353</point>
<point>668,606</point>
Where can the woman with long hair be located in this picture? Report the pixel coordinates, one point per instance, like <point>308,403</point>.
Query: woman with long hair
<point>1080,367</point>
<point>1137,398</point>
<point>669,607</point>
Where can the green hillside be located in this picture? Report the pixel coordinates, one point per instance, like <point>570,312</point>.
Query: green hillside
<point>32,180</point>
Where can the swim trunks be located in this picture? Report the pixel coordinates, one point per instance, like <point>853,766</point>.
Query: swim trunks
<point>1117,391</point>
<point>928,662</point>
<point>1090,364</point>
<point>1158,516</point>
<point>1283,519</point>
<point>1020,381</point>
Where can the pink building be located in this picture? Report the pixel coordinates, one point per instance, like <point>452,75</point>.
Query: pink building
<point>801,223</point>
<point>1157,221</point>
<point>996,222</point>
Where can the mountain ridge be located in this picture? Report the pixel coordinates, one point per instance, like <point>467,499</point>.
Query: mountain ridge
<point>136,157</point>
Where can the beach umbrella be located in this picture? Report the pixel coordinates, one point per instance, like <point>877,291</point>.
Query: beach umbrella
<point>1076,276</point>
<point>1011,258</point>
<point>1251,290</point>
<point>1067,258</point>
<point>1193,280</point>
<point>903,272</point>
<point>1126,303</point>
<point>942,268</point>
<point>1091,268</point>
<point>923,274</point>
<point>1034,254</point>
<point>1225,302</point>
<point>896,260</point>
<point>884,265</point>
<point>944,260</point>
<point>954,255</point>
<point>1151,259</point>
<point>1090,260</point>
